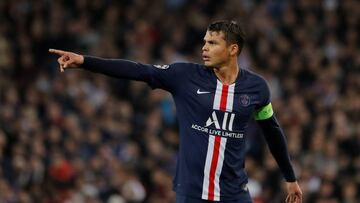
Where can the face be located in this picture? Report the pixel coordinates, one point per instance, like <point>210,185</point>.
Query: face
<point>215,51</point>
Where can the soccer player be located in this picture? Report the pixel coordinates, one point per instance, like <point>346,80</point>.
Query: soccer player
<point>214,103</point>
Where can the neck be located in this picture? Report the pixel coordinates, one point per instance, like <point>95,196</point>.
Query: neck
<point>227,73</point>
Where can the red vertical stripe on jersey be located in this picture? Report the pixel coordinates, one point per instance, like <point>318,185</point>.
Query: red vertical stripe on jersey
<point>213,167</point>
<point>215,157</point>
<point>224,95</point>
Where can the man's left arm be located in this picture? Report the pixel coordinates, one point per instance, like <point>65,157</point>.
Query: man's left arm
<point>276,141</point>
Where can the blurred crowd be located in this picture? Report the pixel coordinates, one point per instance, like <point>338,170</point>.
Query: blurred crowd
<point>84,137</point>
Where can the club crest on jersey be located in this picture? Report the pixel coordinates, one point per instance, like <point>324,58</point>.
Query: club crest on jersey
<point>162,66</point>
<point>244,100</point>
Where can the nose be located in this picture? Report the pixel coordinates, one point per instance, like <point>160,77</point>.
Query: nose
<point>204,48</point>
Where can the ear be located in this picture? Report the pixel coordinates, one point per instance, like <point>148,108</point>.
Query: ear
<point>234,49</point>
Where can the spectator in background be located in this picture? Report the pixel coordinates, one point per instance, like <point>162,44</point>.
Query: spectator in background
<point>310,48</point>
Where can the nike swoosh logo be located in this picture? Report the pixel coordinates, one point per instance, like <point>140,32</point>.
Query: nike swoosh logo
<point>200,92</point>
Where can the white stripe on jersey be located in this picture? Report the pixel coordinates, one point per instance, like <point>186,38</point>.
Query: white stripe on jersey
<point>217,96</point>
<point>214,182</point>
<point>207,167</point>
<point>230,98</point>
<point>219,168</point>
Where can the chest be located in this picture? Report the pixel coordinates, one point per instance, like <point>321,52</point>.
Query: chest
<point>215,105</point>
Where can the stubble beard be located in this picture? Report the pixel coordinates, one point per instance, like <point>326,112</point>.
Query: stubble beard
<point>212,66</point>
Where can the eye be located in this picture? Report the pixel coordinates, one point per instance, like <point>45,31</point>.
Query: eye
<point>211,42</point>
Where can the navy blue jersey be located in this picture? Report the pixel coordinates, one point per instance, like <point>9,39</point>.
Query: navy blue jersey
<point>212,120</point>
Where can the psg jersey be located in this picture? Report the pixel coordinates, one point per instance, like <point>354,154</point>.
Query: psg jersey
<point>212,120</point>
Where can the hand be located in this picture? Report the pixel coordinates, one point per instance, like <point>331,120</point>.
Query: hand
<point>294,193</point>
<point>68,59</point>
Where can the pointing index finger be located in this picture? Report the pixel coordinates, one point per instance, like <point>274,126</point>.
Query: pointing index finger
<point>58,52</point>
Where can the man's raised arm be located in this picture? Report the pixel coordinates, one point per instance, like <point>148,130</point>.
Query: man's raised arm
<point>167,77</point>
<point>112,67</point>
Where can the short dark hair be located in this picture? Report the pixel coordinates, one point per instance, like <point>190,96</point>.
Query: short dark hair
<point>233,32</point>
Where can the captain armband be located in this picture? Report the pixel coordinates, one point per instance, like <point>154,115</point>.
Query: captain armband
<point>264,112</point>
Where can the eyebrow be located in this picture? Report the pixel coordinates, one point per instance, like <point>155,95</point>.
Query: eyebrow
<point>209,40</point>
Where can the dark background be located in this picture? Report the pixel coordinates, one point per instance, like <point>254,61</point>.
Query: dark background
<point>83,137</point>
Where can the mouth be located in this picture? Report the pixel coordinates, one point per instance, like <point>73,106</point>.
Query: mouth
<point>205,58</point>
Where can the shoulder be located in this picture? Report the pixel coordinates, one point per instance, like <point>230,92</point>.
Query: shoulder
<point>258,84</point>
<point>186,65</point>
<point>254,78</point>
<point>173,68</point>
